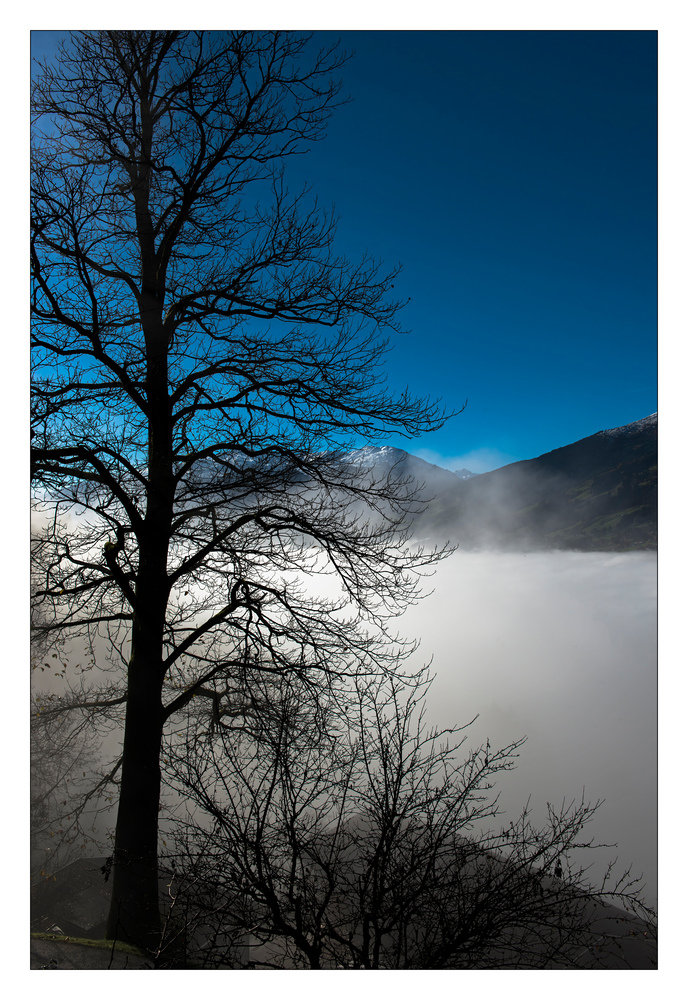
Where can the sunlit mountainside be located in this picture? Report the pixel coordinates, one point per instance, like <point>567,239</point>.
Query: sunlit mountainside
<point>597,494</point>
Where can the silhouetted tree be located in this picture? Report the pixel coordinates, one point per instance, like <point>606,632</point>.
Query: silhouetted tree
<point>201,354</point>
<point>368,841</point>
<point>63,756</point>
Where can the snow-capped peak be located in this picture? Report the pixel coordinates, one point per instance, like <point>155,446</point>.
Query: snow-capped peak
<point>372,455</point>
<point>637,425</point>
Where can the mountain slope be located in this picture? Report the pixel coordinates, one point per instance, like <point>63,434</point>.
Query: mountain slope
<point>597,494</point>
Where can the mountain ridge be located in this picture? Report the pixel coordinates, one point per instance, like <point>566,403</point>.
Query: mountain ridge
<point>596,494</point>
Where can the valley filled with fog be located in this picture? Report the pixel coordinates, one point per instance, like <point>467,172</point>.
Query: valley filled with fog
<point>559,647</point>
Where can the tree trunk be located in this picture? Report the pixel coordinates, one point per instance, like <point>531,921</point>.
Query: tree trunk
<point>135,907</point>
<point>134,910</point>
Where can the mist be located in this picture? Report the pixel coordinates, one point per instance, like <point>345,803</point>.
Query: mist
<point>561,648</point>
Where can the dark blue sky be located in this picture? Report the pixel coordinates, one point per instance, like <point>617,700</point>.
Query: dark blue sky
<point>513,174</point>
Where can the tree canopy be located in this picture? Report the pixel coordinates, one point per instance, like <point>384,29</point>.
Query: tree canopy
<point>202,356</point>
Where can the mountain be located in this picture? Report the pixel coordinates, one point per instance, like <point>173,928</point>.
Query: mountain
<point>382,461</point>
<point>597,494</point>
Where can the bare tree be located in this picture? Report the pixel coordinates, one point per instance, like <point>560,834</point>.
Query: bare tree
<point>70,789</point>
<point>373,842</point>
<point>201,354</point>
<point>63,755</point>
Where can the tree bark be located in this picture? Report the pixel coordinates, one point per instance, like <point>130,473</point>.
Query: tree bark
<point>134,911</point>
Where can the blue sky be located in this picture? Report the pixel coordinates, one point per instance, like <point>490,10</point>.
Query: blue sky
<point>513,174</point>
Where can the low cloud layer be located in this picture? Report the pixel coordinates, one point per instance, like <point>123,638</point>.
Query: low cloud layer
<point>559,647</point>
<point>479,460</point>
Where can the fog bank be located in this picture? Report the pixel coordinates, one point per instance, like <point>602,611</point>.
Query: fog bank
<point>559,647</point>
